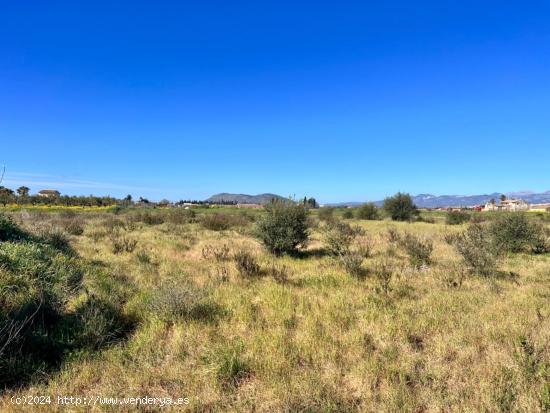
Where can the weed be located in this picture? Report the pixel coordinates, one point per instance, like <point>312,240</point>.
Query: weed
<point>217,253</point>
<point>246,263</point>
<point>122,244</point>
<point>383,271</point>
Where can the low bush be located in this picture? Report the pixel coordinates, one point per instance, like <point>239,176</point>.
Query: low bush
<point>246,263</point>
<point>279,272</point>
<point>10,231</point>
<point>57,239</point>
<point>180,301</point>
<point>452,275</point>
<point>383,271</point>
<point>457,217</point>
<point>338,236</point>
<point>393,236</point>
<point>121,243</point>
<point>514,232</point>
<point>283,227</point>
<point>216,253</point>
<point>368,211</point>
<point>540,243</point>
<point>143,258</point>
<point>347,214</point>
<point>478,250</point>
<point>418,249</point>
<point>352,261</point>
<point>102,322</point>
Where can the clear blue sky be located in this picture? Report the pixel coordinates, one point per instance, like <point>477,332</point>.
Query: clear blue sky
<point>337,100</point>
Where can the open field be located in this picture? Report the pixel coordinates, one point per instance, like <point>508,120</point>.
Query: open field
<point>299,334</point>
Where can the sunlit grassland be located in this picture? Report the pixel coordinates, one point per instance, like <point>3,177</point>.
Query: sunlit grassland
<point>321,340</point>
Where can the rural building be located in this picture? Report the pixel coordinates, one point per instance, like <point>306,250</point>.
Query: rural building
<point>507,205</point>
<point>49,193</point>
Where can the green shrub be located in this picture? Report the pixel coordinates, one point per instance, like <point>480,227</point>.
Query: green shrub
<point>418,249</point>
<point>400,207</point>
<point>283,227</point>
<point>246,263</point>
<point>478,250</point>
<point>57,239</point>
<point>457,217</point>
<point>352,260</point>
<point>347,214</point>
<point>338,236</point>
<point>9,231</point>
<point>368,211</point>
<point>513,232</point>
<point>540,243</point>
<point>38,327</point>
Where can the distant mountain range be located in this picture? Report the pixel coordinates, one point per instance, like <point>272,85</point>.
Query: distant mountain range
<point>261,199</point>
<point>441,201</point>
<point>421,200</point>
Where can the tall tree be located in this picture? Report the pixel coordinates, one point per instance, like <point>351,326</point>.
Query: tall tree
<point>6,195</point>
<point>23,191</point>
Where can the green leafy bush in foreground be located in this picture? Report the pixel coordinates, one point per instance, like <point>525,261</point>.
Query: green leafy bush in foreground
<point>38,280</point>
<point>514,232</point>
<point>283,227</point>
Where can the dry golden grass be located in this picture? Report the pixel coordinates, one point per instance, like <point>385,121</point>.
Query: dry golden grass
<point>323,340</point>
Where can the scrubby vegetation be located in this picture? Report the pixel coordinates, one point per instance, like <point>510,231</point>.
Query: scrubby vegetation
<point>368,211</point>
<point>50,305</point>
<point>274,311</point>
<point>457,217</point>
<point>283,227</point>
<point>400,207</point>
<point>514,232</point>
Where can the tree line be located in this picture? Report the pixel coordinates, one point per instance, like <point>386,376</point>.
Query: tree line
<point>22,196</point>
